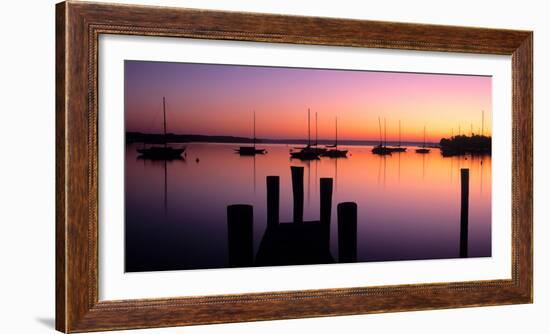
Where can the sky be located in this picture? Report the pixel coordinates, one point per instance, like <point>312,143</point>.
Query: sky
<point>213,99</point>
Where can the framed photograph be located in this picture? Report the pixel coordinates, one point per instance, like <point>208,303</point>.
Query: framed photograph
<point>222,167</point>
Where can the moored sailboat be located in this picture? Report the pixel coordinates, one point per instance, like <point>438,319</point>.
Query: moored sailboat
<point>423,149</point>
<point>309,152</point>
<point>163,152</point>
<point>334,152</point>
<point>381,149</point>
<point>398,148</point>
<point>251,150</point>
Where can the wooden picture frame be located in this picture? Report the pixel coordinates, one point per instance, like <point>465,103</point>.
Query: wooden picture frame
<point>78,26</point>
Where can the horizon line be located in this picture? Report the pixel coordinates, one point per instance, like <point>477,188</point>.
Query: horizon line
<point>298,140</point>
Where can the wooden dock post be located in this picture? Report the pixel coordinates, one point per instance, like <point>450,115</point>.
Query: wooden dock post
<point>325,199</point>
<point>325,206</point>
<point>464,203</point>
<point>272,200</point>
<point>347,232</point>
<point>240,219</point>
<point>298,192</point>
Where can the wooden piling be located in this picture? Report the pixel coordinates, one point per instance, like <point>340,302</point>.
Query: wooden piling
<point>298,192</point>
<point>325,207</point>
<point>347,232</point>
<point>464,204</point>
<point>325,199</point>
<point>240,219</point>
<point>272,201</point>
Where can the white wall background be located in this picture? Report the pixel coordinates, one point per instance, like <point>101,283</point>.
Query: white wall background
<point>27,71</point>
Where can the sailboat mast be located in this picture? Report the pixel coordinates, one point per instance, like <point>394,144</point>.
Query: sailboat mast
<point>164,113</point>
<point>336,138</point>
<point>316,131</point>
<point>379,131</point>
<point>385,135</point>
<point>254,131</point>
<point>308,129</point>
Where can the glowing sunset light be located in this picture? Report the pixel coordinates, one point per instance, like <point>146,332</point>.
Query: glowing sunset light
<point>219,99</point>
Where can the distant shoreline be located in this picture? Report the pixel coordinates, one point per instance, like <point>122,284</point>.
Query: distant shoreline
<point>152,138</point>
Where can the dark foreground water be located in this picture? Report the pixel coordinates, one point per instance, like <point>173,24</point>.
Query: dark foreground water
<point>408,204</point>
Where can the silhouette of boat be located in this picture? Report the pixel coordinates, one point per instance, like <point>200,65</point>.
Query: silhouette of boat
<point>306,153</point>
<point>335,152</point>
<point>309,152</point>
<point>163,152</point>
<point>381,149</point>
<point>251,150</point>
<point>423,149</point>
<point>398,148</point>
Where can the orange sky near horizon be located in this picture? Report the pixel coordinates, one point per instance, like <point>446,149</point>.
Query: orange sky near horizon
<point>220,100</point>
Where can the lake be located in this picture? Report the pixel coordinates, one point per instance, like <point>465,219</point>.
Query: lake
<point>408,203</point>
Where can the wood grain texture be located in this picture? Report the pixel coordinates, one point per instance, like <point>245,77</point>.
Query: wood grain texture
<point>78,26</point>
<point>60,180</point>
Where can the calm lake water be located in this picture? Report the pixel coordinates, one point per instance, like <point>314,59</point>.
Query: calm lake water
<point>408,203</point>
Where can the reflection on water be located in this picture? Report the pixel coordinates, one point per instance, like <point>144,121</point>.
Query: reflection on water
<point>408,204</point>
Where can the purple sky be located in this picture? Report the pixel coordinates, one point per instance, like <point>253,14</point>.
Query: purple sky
<point>219,100</point>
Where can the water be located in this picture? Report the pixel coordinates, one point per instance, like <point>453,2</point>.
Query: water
<point>408,203</point>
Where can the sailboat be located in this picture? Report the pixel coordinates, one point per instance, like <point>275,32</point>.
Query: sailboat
<point>251,150</point>
<point>398,148</point>
<point>381,149</point>
<point>423,150</point>
<point>335,152</point>
<point>308,152</point>
<point>163,152</point>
